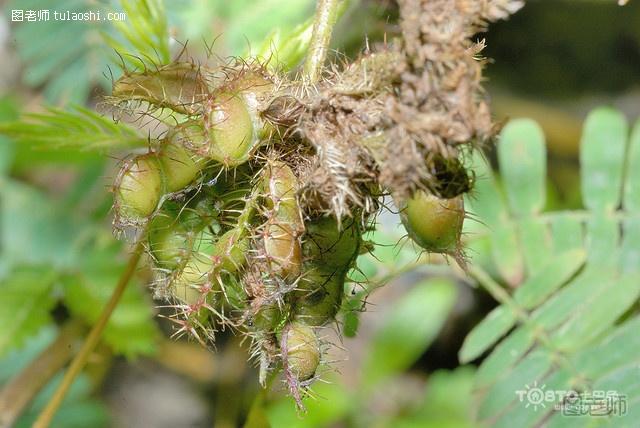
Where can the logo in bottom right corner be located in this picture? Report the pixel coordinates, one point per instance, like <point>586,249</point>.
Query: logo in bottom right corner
<point>573,403</point>
<point>593,403</point>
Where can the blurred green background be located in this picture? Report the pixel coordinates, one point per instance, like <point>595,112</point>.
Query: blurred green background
<point>553,61</point>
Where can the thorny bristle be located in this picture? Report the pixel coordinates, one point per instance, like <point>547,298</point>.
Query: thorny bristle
<point>341,175</point>
<point>383,116</point>
<point>441,103</point>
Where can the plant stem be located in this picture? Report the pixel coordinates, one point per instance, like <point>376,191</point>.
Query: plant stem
<point>78,363</point>
<point>423,263</point>
<point>541,335</point>
<point>20,391</point>
<point>498,293</point>
<point>325,18</point>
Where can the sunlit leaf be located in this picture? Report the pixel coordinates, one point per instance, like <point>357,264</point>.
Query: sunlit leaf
<point>523,164</point>
<point>602,158</point>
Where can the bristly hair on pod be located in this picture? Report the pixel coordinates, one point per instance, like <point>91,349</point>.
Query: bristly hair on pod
<point>367,126</point>
<point>346,108</point>
<point>181,86</point>
<point>440,105</point>
<point>394,117</point>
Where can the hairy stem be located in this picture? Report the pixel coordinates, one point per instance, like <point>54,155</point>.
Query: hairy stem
<point>19,392</point>
<point>78,363</point>
<point>325,18</point>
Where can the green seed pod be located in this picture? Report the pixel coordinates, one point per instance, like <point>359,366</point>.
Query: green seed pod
<point>281,186</point>
<point>230,252</point>
<point>330,252</point>
<point>186,285</point>
<point>256,90</point>
<point>330,245</point>
<point>282,247</point>
<point>179,165</point>
<point>178,230</point>
<point>185,292</point>
<point>285,225</point>
<point>138,188</point>
<point>433,223</point>
<point>171,241</point>
<point>318,296</point>
<point>232,126</point>
<point>179,86</point>
<point>197,269</point>
<point>227,137</point>
<point>168,243</point>
<point>302,350</point>
<point>231,133</point>
<point>191,135</point>
<point>209,263</point>
<point>268,317</point>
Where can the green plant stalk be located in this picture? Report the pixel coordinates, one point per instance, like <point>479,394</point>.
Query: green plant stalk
<point>498,293</point>
<point>244,219</point>
<point>423,263</point>
<point>78,363</point>
<point>19,392</point>
<point>324,21</point>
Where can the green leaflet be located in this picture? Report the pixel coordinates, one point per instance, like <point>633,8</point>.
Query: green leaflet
<point>522,156</point>
<point>579,275</point>
<point>602,151</point>
<point>530,294</point>
<point>25,302</point>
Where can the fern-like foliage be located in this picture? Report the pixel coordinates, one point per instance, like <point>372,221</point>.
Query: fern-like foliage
<point>142,40</point>
<point>76,127</point>
<point>570,324</point>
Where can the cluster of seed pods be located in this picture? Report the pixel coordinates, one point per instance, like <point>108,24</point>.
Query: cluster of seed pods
<point>231,241</point>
